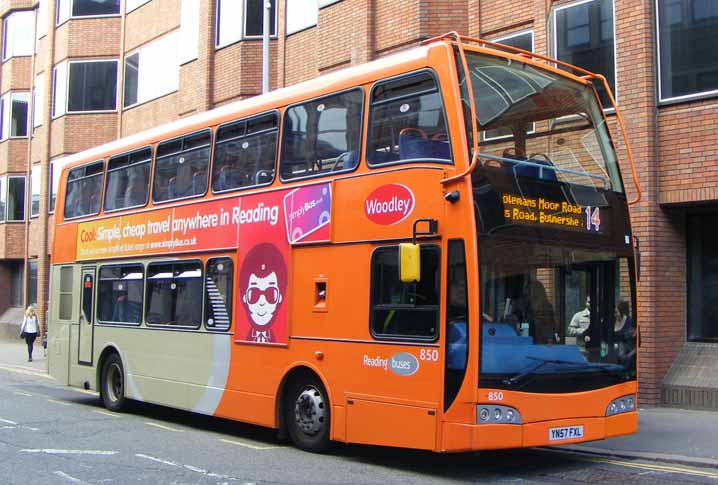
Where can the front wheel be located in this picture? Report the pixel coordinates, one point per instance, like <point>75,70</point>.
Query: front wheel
<point>112,387</point>
<point>308,414</point>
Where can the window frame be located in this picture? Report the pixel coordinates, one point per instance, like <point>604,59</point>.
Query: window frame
<point>432,246</point>
<point>35,172</point>
<point>7,106</point>
<point>153,175</point>
<point>25,217</point>
<point>243,29</point>
<point>672,99</point>
<point>360,149</point>
<point>11,46</point>
<point>98,279</point>
<point>68,82</point>
<point>230,297</point>
<point>147,323</point>
<point>58,13</point>
<point>369,120</point>
<point>276,22</point>
<point>67,180</point>
<point>554,44</point>
<point>277,150</point>
<point>108,170</point>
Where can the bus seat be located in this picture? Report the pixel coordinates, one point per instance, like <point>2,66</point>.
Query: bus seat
<point>414,144</point>
<point>172,188</point>
<point>382,157</point>
<point>199,182</point>
<point>263,177</point>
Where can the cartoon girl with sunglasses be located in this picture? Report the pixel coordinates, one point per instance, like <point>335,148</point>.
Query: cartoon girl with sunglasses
<point>264,279</point>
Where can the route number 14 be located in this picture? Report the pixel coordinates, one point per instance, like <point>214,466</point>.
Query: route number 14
<point>593,218</point>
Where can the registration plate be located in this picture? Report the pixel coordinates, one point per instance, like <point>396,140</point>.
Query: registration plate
<point>565,433</point>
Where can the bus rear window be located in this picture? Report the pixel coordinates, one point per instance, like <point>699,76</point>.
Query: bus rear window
<point>322,136</point>
<point>84,189</point>
<point>404,310</point>
<point>181,167</point>
<point>119,294</point>
<point>128,179</point>
<point>407,122</point>
<point>245,153</point>
<point>174,294</point>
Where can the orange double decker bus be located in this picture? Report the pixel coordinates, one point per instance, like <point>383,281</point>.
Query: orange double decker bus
<point>432,250</point>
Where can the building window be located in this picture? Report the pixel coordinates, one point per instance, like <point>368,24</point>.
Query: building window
<point>41,20</point>
<point>130,5</point>
<point>128,180</point>
<point>189,31</point>
<point>18,28</point>
<point>181,167</point>
<point>15,198</point>
<point>174,293</point>
<point>687,48</point>
<point>84,188</point>
<point>232,15</point>
<point>35,191</point>
<point>583,36</point>
<point>92,86</point>
<point>301,14</point>
<point>59,89</point>
<point>152,72</point>
<point>702,278</point>
<point>245,153</point>
<point>404,310</point>
<point>54,179</point>
<point>13,115</point>
<point>322,136</point>
<point>16,283</point>
<point>32,281</point>
<point>38,101</point>
<point>3,197</point>
<point>67,9</point>
<point>119,294</point>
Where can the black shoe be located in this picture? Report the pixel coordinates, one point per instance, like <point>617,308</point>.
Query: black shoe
<point>30,359</point>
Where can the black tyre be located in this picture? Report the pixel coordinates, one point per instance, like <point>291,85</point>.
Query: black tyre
<point>307,414</point>
<point>112,384</point>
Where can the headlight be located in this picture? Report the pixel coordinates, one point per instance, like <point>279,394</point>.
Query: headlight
<point>492,414</point>
<point>623,404</point>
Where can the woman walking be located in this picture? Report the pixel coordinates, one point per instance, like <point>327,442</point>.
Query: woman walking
<point>30,328</point>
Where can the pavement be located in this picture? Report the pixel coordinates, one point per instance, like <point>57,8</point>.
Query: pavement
<point>668,435</point>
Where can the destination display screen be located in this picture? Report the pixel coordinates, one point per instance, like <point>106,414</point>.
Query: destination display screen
<point>545,212</point>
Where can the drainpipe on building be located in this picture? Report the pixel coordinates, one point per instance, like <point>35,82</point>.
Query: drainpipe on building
<point>28,178</point>
<point>265,47</point>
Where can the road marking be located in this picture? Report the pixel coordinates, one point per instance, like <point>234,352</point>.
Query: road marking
<point>640,465</point>
<point>187,467</point>
<point>70,478</point>
<point>50,451</point>
<point>84,391</point>
<point>660,468</point>
<point>247,445</point>
<point>162,426</point>
<point>22,394</point>
<point>59,402</point>
<point>20,370</point>
<point>7,421</point>
<point>106,413</point>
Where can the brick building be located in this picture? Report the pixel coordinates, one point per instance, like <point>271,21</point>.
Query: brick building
<point>77,73</point>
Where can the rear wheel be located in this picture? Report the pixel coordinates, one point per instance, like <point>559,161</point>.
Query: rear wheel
<point>112,387</point>
<point>307,414</point>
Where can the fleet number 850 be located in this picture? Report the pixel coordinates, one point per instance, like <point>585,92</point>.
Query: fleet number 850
<point>431,355</point>
<point>496,396</point>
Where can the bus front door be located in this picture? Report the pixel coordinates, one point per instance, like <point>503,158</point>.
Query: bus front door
<point>87,317</point>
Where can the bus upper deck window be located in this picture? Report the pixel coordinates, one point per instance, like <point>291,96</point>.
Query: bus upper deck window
<point>245,153</point>
<point>128,179</point>
<point>407,121</point>
<point>322,136</point>
<point>181,167</point>
<point>84,189</point>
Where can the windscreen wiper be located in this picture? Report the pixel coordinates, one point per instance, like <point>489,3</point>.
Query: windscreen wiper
<point>524,376</point>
